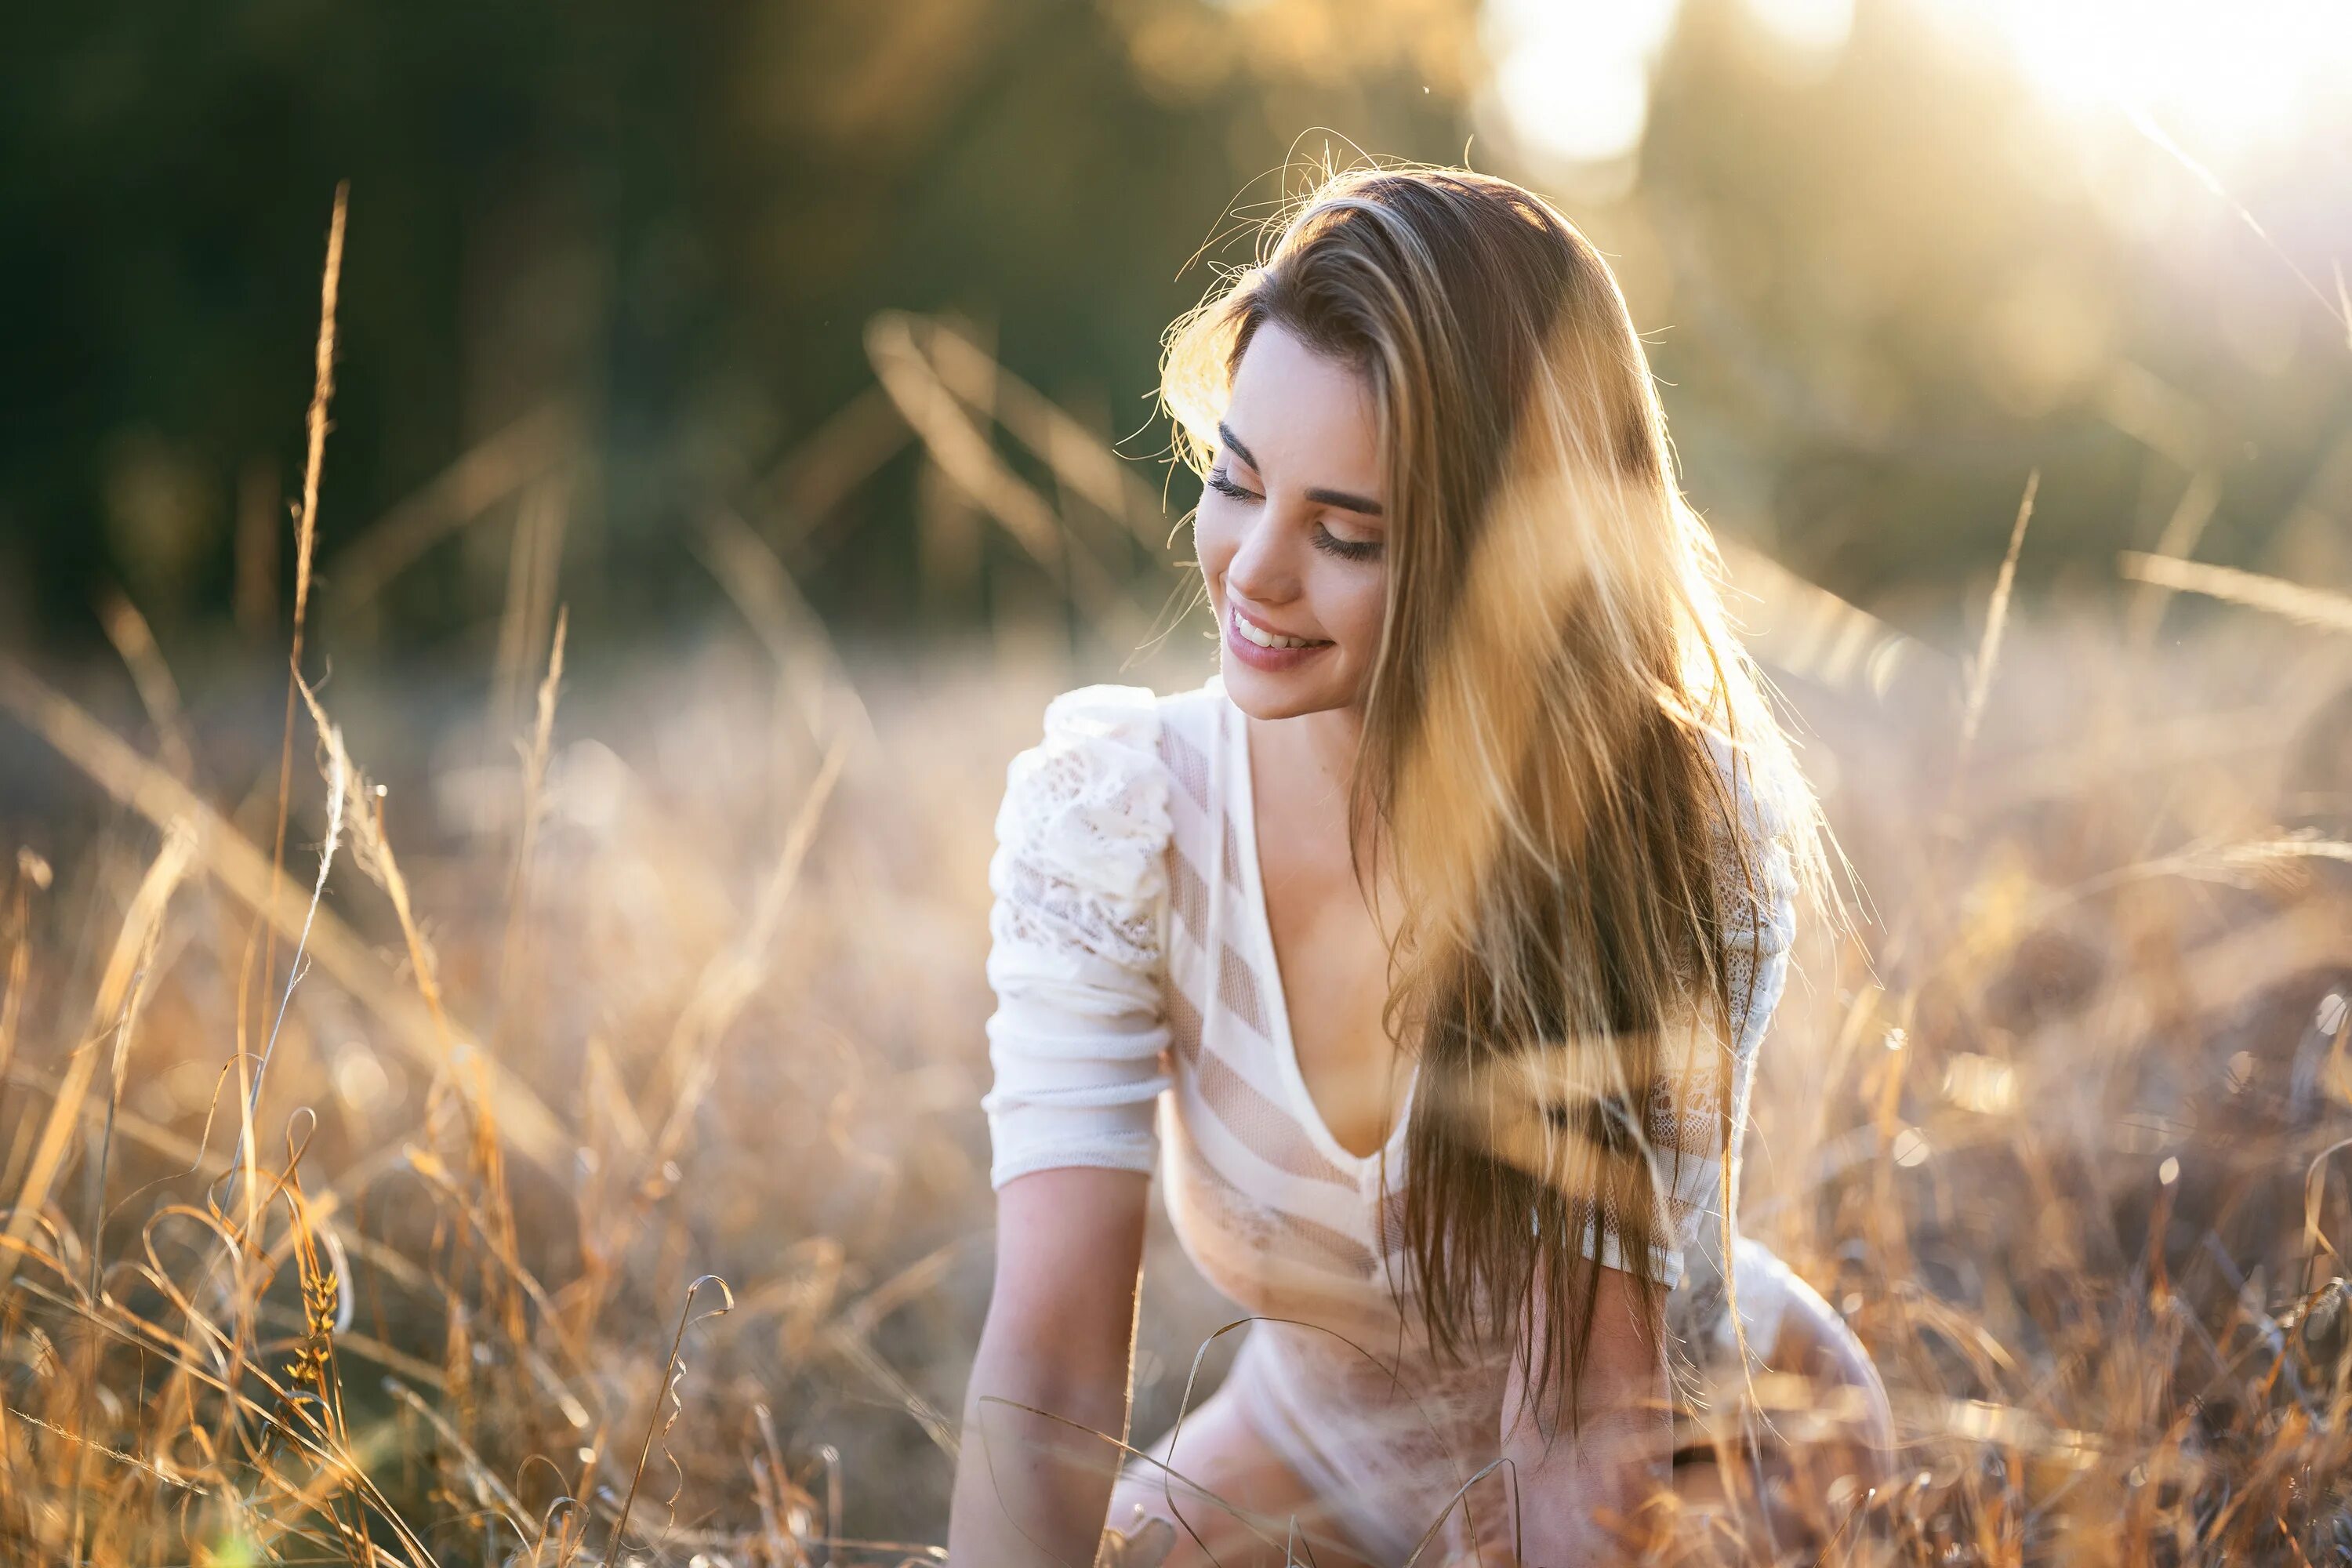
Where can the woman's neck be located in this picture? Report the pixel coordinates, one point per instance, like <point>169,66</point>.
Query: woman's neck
<point>1328,741</point>
<point>1314,754</point>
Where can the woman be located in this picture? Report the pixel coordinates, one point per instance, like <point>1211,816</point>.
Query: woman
<point>1426,949</point>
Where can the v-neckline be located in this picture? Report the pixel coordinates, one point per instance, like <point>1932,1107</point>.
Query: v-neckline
<point>1286,1046</point>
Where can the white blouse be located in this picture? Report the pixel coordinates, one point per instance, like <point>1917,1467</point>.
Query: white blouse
<point>1141,1023</point>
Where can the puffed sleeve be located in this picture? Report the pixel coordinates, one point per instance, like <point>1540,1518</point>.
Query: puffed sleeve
<point>1079,1037</point>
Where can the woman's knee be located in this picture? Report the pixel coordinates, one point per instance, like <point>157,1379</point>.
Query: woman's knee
<point>1822,1348</point>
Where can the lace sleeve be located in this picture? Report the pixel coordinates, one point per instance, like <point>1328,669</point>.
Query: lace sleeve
<point>1757,905</point>
<point>1708,1071</point>
<point>1078,1038</point>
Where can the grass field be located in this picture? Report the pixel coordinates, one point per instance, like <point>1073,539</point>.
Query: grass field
<point>2053,1128</point>
<point>574,1155</point>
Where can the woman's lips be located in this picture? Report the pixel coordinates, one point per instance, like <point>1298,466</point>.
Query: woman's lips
<point>1268,658</point>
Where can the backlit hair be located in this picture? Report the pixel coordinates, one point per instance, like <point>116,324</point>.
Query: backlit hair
<point>1541,726</point>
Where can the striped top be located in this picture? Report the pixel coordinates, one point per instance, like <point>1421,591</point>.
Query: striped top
<point>1141,1023</point>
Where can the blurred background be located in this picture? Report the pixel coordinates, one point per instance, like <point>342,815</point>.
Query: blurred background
<point>1890,256</point>
<point>743,422</point>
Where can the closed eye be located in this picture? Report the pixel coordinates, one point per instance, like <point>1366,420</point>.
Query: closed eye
<point>1323,538</point>
<point>1345,549</point>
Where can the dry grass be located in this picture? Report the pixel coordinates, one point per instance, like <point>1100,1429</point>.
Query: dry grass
<point>2060,1149</point>
<point>616,1191</point>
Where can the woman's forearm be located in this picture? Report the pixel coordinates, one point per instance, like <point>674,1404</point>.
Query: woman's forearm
<point>1582,1491</point>
<point>1577,1500</point>
<point>1047,1401</point>
<point>1031,1489</point>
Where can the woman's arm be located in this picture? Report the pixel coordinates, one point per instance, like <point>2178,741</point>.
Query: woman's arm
<point>1060,1337</point>
<point>1621,1455</point>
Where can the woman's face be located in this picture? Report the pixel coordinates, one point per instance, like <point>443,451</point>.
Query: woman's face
<point>1290,531</point>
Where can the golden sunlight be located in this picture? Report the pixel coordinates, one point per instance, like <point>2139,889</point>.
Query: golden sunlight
<point>2225,80</point>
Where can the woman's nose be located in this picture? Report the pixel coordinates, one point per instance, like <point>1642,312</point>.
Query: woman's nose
<point>1261,569</point>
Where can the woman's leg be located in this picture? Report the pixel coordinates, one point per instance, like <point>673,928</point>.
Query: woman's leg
<point>1227,1497</point>
<point>1815,1343</point>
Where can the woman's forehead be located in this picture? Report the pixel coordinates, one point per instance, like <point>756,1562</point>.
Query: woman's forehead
<point>1294,405</point>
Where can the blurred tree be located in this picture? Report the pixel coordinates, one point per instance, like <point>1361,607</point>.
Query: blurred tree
<point>1892,288</point>
<point>679,228</point>
<point>1880,290</point>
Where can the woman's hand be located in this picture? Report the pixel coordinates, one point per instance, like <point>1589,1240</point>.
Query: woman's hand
<point>1146,1544</point>
<point>1047,1403</point>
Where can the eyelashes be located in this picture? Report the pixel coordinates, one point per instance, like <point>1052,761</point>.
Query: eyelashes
<point>1322,539</point>
<point>1345,549</point>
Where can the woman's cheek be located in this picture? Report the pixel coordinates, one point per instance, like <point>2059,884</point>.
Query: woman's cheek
<point>1212,545</point>
<point>1367,605</point>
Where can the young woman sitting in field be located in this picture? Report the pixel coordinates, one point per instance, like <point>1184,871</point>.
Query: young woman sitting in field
<point>1425,950</point>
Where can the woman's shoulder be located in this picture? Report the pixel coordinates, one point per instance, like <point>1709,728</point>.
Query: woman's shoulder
<point>1763,785</point>
<point>1774,808</point>
<point>1088,802</point>
<point>1127,715</point>
<point>1127,728</point>
<point>1103,715</point>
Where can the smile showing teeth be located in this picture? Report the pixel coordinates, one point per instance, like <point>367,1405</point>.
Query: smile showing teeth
<point>1264,638</point>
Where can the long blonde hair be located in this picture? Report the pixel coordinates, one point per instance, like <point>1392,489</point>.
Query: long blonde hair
<point>1544,729</point>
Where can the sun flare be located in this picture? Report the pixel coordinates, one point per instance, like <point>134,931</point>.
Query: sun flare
<point>2225,80</point>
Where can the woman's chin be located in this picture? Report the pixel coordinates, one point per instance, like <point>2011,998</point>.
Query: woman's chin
<point>1270,694</point>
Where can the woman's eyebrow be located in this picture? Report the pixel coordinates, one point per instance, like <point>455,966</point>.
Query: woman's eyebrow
<point>1225,434</point>
<point>1344,499</point>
